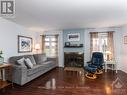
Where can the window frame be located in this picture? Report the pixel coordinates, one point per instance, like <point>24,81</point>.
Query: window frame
<point>50,41</point>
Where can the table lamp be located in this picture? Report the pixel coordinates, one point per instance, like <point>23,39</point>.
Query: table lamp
<point>37,47</point>
<point>108,55</point>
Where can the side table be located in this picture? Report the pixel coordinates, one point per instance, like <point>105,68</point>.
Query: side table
<point>7,68</point>
<point>113,67</point>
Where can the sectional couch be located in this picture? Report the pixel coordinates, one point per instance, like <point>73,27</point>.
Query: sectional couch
<point>22,74</point>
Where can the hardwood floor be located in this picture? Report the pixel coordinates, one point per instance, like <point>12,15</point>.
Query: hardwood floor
<point>60,82</point>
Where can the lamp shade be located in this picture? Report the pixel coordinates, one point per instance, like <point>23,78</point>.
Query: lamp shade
<point>108,52</point>
<point>37,46</point>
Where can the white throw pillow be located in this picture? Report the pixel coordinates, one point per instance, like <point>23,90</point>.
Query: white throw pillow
<point>21,62</point>
<point>28,63</point>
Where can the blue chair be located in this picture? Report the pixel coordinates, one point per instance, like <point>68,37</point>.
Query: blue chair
<point>95,66</point>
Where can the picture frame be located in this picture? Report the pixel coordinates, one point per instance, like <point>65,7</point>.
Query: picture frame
<point>125,39</point>
<point>73,37</point>
<point>67,43</point>
<point>24,44</point>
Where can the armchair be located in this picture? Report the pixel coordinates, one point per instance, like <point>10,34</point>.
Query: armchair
<point>95,66</point>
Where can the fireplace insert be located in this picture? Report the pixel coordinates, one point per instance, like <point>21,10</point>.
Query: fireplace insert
<point>73,59</point>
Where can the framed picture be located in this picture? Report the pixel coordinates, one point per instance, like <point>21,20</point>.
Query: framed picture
<point>67,43</point>
<point>125,39</point>
<point>74,37</point>
<point>24,44</point>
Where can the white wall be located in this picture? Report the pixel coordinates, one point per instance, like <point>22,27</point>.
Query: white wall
<point>8,37</point>
<point>123,60</point>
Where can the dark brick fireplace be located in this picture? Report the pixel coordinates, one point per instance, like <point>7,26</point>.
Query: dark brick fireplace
<point>73,59</point>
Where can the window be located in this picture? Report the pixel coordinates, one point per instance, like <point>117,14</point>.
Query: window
<point>103,42</point>
<point>50,45</point>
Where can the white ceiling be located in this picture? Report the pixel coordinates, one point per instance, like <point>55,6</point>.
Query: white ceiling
<point>63,14</point>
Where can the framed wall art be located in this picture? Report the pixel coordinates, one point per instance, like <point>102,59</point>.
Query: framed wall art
<point>24,44</point>
<point>73,37</point>
<point>67,43</point>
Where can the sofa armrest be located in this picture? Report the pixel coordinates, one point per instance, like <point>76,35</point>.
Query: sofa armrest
<point>55,61</point>
<point>51,59</point>
<point>19,74</point>
<point>19,67</point>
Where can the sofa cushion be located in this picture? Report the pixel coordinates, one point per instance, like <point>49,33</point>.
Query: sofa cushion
<point>48,63</point>
<point>35,69</point>
<point>40,58</point>
<point>13,60</point>
<point>28,63</point>
<point>31,58</point>
<point>21,62</point>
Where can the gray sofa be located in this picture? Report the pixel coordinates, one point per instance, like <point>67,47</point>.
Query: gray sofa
<point>22,75</point>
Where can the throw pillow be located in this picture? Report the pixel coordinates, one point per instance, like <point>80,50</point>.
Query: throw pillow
<point>21,62</point>
<point>44,59</point>
<point>28,63</point>
<point>32,59</point>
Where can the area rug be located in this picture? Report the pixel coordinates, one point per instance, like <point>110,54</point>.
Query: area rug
<point>74,69</point>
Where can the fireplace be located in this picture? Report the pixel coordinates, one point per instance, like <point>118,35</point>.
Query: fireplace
<point>73,59</point>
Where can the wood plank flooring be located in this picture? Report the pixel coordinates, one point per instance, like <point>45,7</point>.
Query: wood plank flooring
<point>60,82</point>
